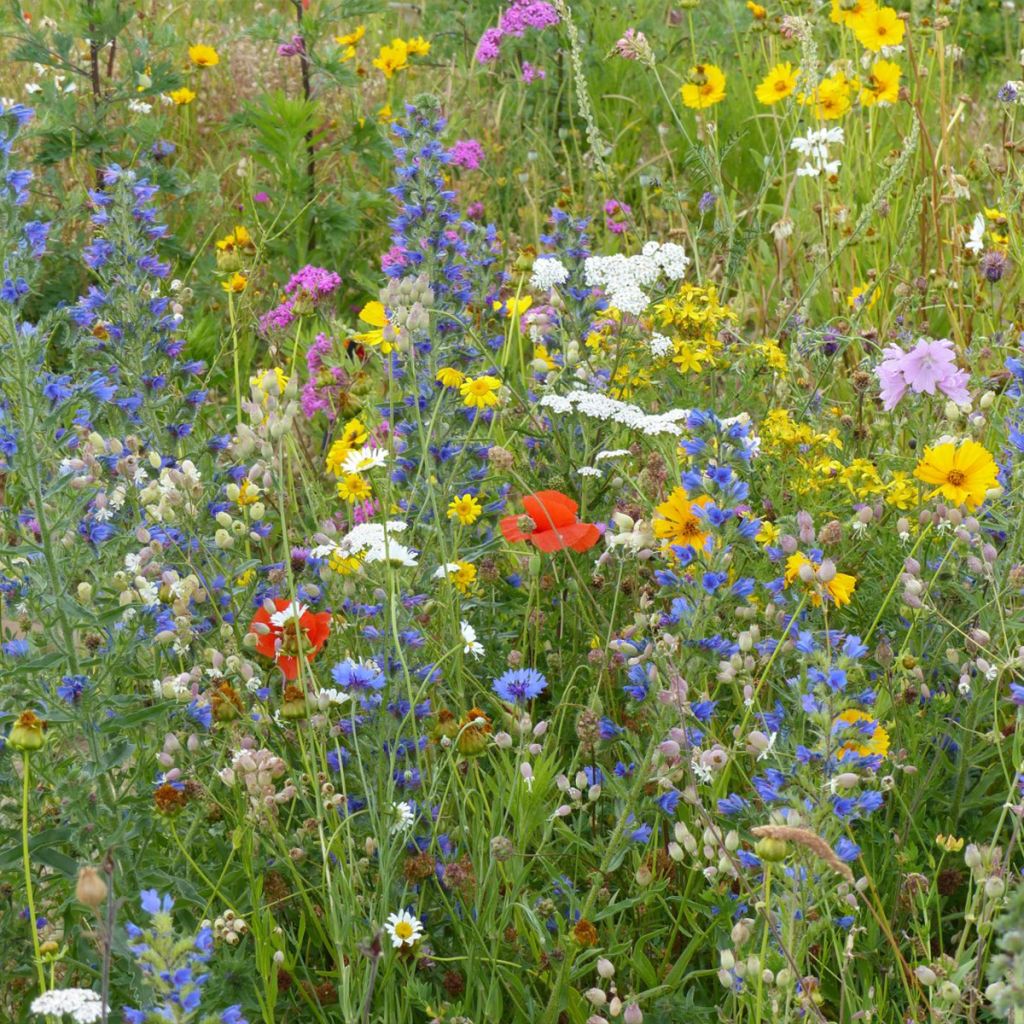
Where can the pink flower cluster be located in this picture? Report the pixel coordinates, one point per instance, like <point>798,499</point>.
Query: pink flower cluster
<point>928,366</point>
<point>326,385</point>
<point>467,153</point>
<point>306,288</point>
<point>520,16</point>
<point>532,73</point>
<point>616,216</point>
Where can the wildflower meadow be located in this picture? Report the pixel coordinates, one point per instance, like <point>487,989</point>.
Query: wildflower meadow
<point>511,511</point>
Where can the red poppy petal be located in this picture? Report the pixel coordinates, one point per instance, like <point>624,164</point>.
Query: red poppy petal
<point>289,665</point>
<point>262,616</point>
<point>550,509</point>
<point>280,603</point>
<point>267,645</point>
<point>548,540</point>
<point>588,538</point>
<point>317,627</point>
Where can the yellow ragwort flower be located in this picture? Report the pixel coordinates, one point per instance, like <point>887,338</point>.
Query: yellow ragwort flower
<point>480,392</point>
<point>182,97</point>
<point>352,488</point>
<point>466,509</point>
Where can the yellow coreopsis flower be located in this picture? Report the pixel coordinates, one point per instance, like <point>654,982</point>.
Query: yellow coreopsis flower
<point>480,392</point>
<point>962,475</point>
<point>513,307</point>
<point>840,588</point>
<point>203,56</point>
<point>392,58</point>
<point>237,239</point>
<point>417,46</point>
<point>831,100</point>
<point>844,11</point>
<point>374,314</point>
<point>182,97</point>
<point>351,38</point>
<point>352,488</point>
<point>466,509</point>
<point>881,26</point>
<point>353,435</point>
<point>235,284</point>
<point>855,299</point>
<point>677,524</point>
<point>777,84</point>
<point>882,85</point>
<point>705,88</point>
<point>868,743</point>
<point>449,377</point>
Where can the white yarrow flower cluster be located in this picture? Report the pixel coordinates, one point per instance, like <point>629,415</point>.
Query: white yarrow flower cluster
<point>601,407</point>
<point>660,345</point>
<point>548,272</point>
<point>624,278</point>
<point>82,1005</point>
<point>815,147</point>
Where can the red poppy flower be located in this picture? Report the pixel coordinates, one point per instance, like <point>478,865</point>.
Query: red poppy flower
<point>556,526</point>
<point>280,640</point>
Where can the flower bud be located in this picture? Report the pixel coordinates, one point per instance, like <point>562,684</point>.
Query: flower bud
<point>27,732</point>
<point>90,888</point>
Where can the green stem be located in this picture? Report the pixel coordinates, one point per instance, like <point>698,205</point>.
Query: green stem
<point>38,957</point>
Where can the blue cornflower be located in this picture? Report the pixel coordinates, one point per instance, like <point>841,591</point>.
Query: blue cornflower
<point>519,685</point>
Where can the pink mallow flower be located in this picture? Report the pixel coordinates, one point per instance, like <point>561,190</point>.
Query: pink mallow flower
<point>929,366</point>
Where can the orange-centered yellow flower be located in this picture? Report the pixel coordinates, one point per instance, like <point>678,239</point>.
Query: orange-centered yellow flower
<point>840,588</point>
<point>777,84</point>
<point>705,88</point>
<point>203,56</point>
<point>962,475</point>
<point>677,523</point>
<point>879,27</point>
<point>882,85</point>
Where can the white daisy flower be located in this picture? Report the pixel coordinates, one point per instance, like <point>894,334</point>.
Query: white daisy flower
<point>364,460</point>
<point>404,816</point>
<point>404,929</point>
<point>470,644</point>
<point>295,610</point>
